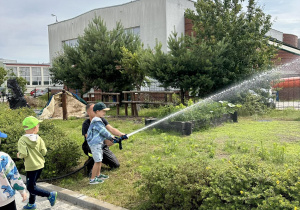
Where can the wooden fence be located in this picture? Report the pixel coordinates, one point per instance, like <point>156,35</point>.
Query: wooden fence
<point>145,97</point>
<point>106,98</point>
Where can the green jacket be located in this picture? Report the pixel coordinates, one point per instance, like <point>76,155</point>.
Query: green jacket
<point>33,152</point>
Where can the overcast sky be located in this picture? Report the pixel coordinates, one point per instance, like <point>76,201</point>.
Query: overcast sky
<point>24,23</point>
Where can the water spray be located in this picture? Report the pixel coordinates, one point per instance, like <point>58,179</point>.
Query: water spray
<point>267,76</point>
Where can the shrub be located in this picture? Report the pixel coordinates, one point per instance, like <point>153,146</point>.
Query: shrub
<point>200,111</point>
<point>241,183</point>
<point>62,153</point>
<point>253,104</point>
<point>35,102</point>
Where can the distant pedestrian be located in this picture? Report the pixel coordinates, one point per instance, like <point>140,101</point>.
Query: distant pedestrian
<point>32,148</point>
<point>10,181</point>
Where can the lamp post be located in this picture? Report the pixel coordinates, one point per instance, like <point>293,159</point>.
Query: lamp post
<point>54,16</point>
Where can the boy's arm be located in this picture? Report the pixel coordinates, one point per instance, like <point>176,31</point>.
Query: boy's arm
<point>114,131</point>
<point>43,148</point>
<point>22,149</point>
<point>104,132</point>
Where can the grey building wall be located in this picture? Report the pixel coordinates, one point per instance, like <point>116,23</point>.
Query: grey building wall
<point>275,34</point>
<point>175,10</point>
<point>156,19</point>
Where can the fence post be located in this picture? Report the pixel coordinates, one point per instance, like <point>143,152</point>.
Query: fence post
<point>135,111</point>
<point>170,96</point>
<point>132,105</point>
<point>126,104</point>
<point>118,104</point>
<point>64,105</point>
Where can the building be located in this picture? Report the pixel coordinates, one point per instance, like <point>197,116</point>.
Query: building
<point>37,75</point>
<point>151,20</point>
<point>288,45</point>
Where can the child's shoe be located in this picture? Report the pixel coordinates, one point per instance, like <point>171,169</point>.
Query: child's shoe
<point>96,181</point>
<point>102,176</point>
<point>30,206</point>
<point>52,198</point>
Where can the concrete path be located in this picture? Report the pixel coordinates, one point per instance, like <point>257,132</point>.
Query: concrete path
<point>43,204</point>
<point>67,200</point>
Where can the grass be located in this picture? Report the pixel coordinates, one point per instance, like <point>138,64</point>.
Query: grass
<point>273,137</point>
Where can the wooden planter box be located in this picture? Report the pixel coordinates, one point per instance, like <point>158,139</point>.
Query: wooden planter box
<point>186,128</point>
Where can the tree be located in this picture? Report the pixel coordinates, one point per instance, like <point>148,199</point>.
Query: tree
<point>22,83</point>
<point>131,65</point>
<point>228,45</point>
<point>184,67</point>
<point>64,71</point>
<point>95,61</point>
<point>3,74</point>
<point>244,32</point>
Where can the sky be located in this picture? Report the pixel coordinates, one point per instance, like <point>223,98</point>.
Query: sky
<point>24,23</point>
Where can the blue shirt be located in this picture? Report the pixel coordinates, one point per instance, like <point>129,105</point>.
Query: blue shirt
<point>97,132</point>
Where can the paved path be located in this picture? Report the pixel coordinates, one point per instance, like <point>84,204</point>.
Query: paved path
<point>43,204</point>
<point>68,200</point>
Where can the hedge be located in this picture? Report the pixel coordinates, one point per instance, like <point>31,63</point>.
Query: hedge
<point>63,153</point>
<point>242,183</point>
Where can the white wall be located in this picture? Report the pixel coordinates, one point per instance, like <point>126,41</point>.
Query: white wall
<point>175,10</point>
<point>275,34</point>
<point>149,15</point>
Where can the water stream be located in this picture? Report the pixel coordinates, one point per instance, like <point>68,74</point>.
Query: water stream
<point>257,81</point>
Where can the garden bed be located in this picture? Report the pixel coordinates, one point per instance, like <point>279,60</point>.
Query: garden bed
<point>187,127</point>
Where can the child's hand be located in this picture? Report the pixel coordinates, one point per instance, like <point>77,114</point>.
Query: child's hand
<point>24,195</point>
<point>108,142</point>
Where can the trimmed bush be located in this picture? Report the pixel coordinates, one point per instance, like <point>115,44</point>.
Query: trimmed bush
<point>63,154</point>
<point>243,183</point>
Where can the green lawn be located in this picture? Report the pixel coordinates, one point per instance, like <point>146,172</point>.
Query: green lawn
<point>274,138</point>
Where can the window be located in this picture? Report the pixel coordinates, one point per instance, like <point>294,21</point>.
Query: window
<point>47,78</point>
<point>25,73</point>
<point>71,42</point>
<point>134,30</point>
<point>13,72</point>
<point>36,76</point>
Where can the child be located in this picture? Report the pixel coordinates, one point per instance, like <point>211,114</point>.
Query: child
<point>96,135</point>
<point>10,181</point>
<point>32,148</point>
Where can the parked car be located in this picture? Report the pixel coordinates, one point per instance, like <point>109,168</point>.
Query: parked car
<point>37,92</point>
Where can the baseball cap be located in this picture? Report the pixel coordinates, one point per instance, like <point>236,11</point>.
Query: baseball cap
<point>3,135</point>
<point>30,122</point>
<point>100,106</point>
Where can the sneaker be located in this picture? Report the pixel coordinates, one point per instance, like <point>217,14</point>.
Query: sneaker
<point>102,176</point>
<point>96,181</point>
<point>52,198</point>
<point>30,206</point>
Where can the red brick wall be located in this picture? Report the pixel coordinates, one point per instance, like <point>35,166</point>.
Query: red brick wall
<point>289,94</point>
<point>286,57</point>
<point>188,26</point>
<point>290,39</point>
